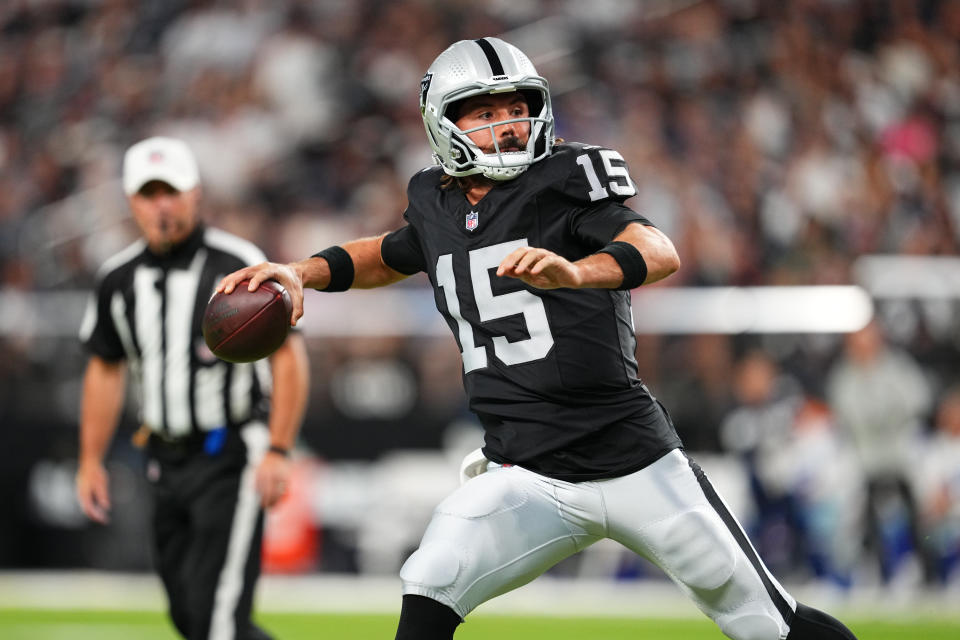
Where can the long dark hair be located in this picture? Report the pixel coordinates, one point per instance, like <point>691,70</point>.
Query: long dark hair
<point>464,183</point>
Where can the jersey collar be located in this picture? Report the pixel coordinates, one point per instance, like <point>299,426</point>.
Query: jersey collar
<point>178,253</point>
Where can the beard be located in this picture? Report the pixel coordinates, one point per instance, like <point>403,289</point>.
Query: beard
<point>510,143</point>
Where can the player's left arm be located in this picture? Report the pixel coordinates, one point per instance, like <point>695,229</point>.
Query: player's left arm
<point>291,376</point>
<point>545,269</point>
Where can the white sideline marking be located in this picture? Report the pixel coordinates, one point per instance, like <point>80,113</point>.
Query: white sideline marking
<point>320,593</point>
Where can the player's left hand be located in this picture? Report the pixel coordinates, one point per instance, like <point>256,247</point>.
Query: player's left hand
<point>273,478</point>
<point>540,268</point>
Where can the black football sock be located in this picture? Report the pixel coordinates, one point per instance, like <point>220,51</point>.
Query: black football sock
<point>424,618</point>
<point>812,624</point>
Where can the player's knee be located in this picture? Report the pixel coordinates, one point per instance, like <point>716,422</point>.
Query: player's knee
<point>696,551</point>
<point>434,565</point>
<point>751,626</point>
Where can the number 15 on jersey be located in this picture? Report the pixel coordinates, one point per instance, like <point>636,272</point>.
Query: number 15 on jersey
<point>492,307</point>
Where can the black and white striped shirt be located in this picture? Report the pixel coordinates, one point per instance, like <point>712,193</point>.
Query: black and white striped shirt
<point>147,309</point>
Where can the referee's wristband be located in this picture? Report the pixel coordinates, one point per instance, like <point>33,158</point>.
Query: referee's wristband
<point>341,268</point>
<point>283,451</point>
<point>631,262</point>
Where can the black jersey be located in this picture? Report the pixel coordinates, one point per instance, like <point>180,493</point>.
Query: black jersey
<point>550,373</point>
<point>147,310</point>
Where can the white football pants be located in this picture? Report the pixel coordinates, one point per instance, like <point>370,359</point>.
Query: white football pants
<point>507,526</point>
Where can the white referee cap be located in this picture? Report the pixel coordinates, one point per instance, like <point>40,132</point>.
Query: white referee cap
<point>166,159</point>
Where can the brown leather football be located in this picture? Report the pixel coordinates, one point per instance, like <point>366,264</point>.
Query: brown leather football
<point>247,325</point>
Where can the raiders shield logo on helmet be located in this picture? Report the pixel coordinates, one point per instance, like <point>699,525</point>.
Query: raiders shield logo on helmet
<point>424,87</point>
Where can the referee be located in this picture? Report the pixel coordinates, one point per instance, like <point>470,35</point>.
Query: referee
<point>219,433</point>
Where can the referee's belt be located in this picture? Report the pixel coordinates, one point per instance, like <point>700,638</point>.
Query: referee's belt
<point>210,442</point>
<point>192,439</point>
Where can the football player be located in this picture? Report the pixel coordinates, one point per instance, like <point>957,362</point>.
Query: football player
<point>532,253</point>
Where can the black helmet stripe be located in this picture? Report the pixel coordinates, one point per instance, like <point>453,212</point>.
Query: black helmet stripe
<point>496,67</point>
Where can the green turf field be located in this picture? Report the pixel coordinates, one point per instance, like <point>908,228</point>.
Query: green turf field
<point>22,624</point>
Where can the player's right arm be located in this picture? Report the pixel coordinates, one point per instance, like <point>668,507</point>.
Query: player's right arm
<point>369,271</point>
<point>104,385</point>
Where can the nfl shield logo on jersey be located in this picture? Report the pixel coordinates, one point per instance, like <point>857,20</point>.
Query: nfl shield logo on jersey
<point>472,220</point>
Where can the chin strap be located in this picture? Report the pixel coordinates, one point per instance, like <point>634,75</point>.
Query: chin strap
<point>502,173</point>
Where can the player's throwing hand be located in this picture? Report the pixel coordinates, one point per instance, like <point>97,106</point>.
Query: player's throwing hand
<point>285,274</point>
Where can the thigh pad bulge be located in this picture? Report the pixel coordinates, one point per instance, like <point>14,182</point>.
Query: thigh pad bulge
<point>695,547</point>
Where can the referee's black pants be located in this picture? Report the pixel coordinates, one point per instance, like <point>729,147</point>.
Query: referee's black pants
<point>208,528</point>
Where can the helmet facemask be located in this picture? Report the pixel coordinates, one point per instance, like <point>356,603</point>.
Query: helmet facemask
<point>467,158</point>
<point>461,72</point>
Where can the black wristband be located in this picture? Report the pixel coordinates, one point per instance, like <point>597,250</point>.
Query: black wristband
<point>341,268</point>
<point>631,262</point>
<point>275,448</point>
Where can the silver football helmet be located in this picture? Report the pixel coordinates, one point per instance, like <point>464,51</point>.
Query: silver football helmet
<point>476,67</point>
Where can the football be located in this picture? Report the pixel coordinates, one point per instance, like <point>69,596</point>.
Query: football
<point>247,325</point>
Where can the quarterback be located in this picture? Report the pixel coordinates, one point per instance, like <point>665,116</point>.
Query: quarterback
<point>532,255</point>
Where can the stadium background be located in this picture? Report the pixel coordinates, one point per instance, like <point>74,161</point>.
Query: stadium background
<point>813,142</point>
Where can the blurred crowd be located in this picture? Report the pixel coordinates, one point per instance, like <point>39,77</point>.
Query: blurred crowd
<point>774,142</point>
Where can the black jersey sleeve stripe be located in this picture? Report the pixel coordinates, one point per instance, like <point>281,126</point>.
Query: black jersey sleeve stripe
<point>496,66</point>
